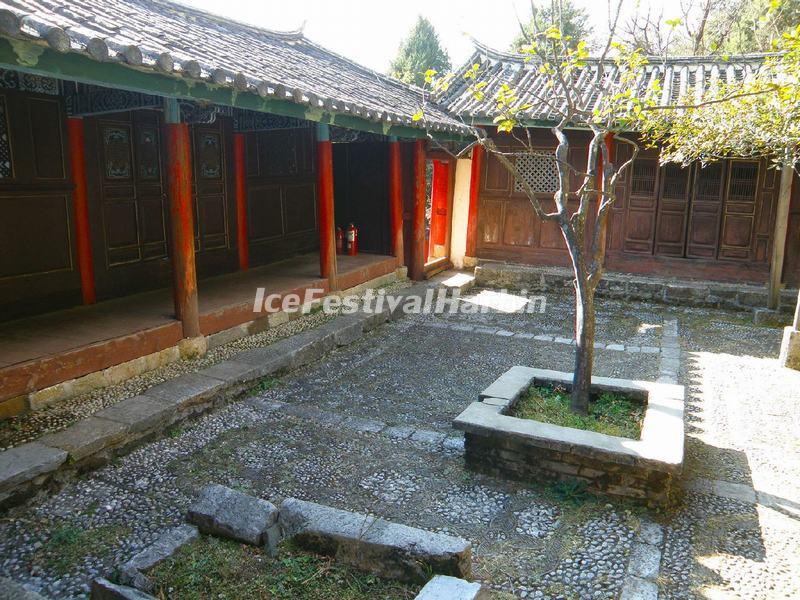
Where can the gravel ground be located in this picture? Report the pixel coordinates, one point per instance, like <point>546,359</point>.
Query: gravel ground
<point>30,426</point>
<point>742,424</point>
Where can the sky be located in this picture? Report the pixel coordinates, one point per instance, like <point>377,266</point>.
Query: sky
<point>370,31</point>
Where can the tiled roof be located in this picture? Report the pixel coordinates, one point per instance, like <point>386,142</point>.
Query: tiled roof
<point>186,42</point>
<point>677,75</point>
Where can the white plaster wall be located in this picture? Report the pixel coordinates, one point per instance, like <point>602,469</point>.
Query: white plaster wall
<point>458,233</point>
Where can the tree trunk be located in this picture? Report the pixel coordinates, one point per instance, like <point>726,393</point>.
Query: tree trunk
<point>584,347</point>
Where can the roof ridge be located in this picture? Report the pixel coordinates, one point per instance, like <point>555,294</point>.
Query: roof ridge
<point>295,34</point>
<point>481,48</point>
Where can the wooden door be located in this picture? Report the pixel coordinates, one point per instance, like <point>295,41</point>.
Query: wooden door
<point>640,215</point>
<point>706,211</point>
<point>739,210</point>
<point>128,203</point>
<point>38,272</point>
<point>215,251</point>
<point>673,210</point>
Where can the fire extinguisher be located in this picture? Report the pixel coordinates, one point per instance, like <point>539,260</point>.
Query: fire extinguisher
<point>352,240</point>
<point>339,241</point>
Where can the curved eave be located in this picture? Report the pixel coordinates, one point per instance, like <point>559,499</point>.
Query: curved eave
<point>40,59</point>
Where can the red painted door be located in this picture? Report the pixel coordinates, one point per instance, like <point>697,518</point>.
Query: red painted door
<point>439,219</point>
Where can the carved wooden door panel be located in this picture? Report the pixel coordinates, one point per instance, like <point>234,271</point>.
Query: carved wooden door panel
<point>673,208</point>
<point>739,211</point>
<point>128,203</point>
<point>640,215</point>
<point>210,192</point>
<point>706,211</point>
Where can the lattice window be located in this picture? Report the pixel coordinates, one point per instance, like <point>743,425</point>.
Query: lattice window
<point>6,168</point>
<point>676,180</point>
<point>539,171</point>
<point>709,182</point>
<point>744,178</point>
<point>643,178</point>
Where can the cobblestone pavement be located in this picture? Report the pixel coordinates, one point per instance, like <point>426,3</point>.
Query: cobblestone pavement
<point>368,429</point>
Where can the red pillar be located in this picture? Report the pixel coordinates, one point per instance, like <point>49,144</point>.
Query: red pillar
<point>417,266</point>
<point>327,233</point>
<point>474,188</point>
<point>396,200</point>
<point>241,200</point>
<point>179,184</point>
<point>80,210</point>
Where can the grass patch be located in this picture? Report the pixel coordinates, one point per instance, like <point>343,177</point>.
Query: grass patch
<point>609,413</point>
<point>69,545</point>
<point>221,569</point>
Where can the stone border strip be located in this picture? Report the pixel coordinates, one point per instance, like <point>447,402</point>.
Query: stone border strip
<point>538,337</point>
<point>644,564</point>
<point>670,363</point>
<point>91,442</point>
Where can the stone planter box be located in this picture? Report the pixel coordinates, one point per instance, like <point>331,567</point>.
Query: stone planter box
<point>529,450</point>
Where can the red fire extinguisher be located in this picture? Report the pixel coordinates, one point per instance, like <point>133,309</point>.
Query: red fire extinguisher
<point>339,241</point>
<point>352,240</point>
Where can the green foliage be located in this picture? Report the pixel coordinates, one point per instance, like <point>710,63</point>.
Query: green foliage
<point>568,18</point>
<point>214,568</point>
<point>755,25</point>
<point>69,545</point>
<point>572,491</point>
<point>611,414</point>
<point>420,55</point>
<point>759,117</point>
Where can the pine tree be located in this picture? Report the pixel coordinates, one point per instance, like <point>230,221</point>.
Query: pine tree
<point>420,51</point>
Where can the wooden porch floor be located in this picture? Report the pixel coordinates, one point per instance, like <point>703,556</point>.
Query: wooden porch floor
<point>40,351</point>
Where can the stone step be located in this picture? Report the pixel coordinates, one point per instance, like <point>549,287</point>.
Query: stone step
<point>442,587</point>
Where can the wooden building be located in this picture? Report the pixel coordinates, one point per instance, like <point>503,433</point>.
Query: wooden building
<point>158,164</point>
<point>715,223</point>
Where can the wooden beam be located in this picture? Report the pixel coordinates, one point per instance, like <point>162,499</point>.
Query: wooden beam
<point>179,185</point>
<point>240,184</point>
<point>779,235</point>
<point>396,200</point>
<point>474,191</point>
<point>417,266</point>
<point>80,209</point>
<point>327,233</point>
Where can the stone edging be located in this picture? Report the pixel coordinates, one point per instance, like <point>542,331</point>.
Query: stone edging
<point>91,442</point>
<point>370,544</point>
<point>538,337</point>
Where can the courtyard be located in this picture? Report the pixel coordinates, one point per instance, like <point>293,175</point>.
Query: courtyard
<point>368,429</point>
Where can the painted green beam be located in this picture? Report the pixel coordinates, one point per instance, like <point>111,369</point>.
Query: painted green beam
<point>40,60</point>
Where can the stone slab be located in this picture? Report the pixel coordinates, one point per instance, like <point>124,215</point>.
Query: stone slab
<point>103,589</point>
<point>635,588</point>
<point>267,360</point>
<point>187,390</point>
<point>645,560</point>
<point>347,329</point>
<point>25,462</point>
<point>399,432</point>
<point>510,385</point>
<point>650,533</point>
<point>433,438</point>
<point>132,572</point>
<point>140,413</point>
<point>227,513</point>
<point>444,587</point>
<point>11,590</point>
<point>363,425</point>
<point>233,372</point>
<point>385,549</point>
<point>86,437</point>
